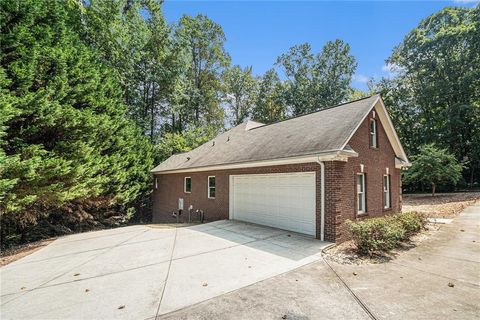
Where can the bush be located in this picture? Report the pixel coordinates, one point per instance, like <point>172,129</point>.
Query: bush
<point>384,233</point>
<point>412,222</point>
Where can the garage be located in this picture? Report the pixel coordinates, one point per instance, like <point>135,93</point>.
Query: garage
<point>280,200</point>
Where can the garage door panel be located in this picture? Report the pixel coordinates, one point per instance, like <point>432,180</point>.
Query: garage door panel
<point>284,201</point>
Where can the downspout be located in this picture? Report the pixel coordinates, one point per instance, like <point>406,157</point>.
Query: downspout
<point>322,198</point>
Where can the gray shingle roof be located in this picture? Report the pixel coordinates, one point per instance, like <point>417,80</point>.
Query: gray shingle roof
<point>317,132</point>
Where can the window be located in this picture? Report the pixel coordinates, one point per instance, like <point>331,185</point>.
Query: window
<point>361,193</point>
<point>156,183</point>
<point>211,187</point>
<point>373,133</point>
<point>386,191</point>
<point>187,185</point>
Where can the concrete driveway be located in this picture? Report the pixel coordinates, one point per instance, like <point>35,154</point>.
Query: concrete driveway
<point>140,272</point>
<point>415,285</point>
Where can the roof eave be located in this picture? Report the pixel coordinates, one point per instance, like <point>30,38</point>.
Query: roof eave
<point>334,155</point>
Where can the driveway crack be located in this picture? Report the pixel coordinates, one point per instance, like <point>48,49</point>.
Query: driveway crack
<point>168,273</point>
<point>355,297</point>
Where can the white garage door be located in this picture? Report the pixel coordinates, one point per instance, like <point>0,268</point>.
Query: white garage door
<point>281,200</point>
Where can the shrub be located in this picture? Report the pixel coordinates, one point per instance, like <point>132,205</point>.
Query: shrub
<point>376,234</point>
<point>412,222</point>
<point>384,233</point>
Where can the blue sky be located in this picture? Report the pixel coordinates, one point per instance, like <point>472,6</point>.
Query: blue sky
<point>258,32</point>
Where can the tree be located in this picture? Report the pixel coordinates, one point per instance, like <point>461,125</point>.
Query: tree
<point>436,89</point>
<point>270,105</point>
<point>317,81</point>
<point>239,92</point>
<point>135,40</point>
<point>433,166</point>
<point>65,136</point>
<point>334,69</point>
<point>175,142</point>
<point>200,42</point>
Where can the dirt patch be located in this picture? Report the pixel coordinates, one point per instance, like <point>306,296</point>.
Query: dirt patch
<point>16,253</point>
<point>443,205</point>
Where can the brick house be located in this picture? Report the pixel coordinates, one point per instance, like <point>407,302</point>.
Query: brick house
<point>307,174</point>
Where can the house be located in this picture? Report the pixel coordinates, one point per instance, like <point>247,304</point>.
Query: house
<point>307,174</point>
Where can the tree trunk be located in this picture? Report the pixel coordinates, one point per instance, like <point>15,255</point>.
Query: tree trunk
<point>433,189</point>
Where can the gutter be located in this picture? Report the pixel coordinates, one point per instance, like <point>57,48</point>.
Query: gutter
<point>322,198</point>
<point>334,155</point>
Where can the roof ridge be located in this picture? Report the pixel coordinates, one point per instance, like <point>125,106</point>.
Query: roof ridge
<point>317,111</point>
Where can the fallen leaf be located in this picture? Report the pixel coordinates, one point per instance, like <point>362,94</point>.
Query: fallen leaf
<point>205,284</point>
<point>76,274</point>
<point>288,235</point>
<point>23,288</point>
<point>86,290</point>
<point>284,316</point>
<point>462,230</point>
<point>451,285</point>
<point>355,273</point>
<point>121,307</point>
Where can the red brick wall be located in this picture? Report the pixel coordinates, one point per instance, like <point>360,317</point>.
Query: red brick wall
<point>170,188</point>
<point>340,193</point>
<point>375,162</point>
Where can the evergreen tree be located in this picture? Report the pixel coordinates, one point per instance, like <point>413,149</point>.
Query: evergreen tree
<point>65,135</point>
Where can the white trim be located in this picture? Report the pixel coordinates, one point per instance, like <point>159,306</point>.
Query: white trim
<point>230,197</point>
<point>391,133</point>
<point>363,193</point>
<point>208,187</point>
<point>389,130</point>
<point>322,200</point>
<point>387,190</point>
<point>185,184</point>
<point>156,183</point>
<point>336,155</point>
<point>373,134</point>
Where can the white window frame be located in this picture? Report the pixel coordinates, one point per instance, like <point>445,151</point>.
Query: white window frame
<point>185,184</point>
<point>373,134</point>
<point>361,194</point>
<point>386,192</point>
<point>209,187</point>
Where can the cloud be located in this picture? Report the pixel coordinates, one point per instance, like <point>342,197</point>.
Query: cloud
<point>360,78</point>
<point>391,70</point>
<point>466,1</point>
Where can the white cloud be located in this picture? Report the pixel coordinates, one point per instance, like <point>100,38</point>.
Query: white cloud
<point>466,1</point>
<point>360,78</point>
<point>391,69</point>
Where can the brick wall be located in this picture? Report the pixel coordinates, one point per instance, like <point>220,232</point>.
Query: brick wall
<point>170,188</point>
<point>342,185</point>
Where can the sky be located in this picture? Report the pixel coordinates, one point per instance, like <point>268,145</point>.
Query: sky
<point>258,32</point>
